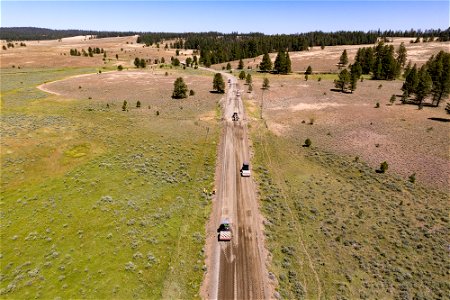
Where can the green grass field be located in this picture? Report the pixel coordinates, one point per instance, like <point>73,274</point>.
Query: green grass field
<point>336,227</point>
<point>101,203</point>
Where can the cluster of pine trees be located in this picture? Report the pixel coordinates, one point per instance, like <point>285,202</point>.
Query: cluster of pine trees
<point>347,80</point>
<point>432,79</point>
<point>282,64</point>
<point>91,51</point>
<point>382,61</point>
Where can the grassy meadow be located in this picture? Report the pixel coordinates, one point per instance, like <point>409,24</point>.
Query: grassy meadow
<point>338,229</point>
<point>97,202</point>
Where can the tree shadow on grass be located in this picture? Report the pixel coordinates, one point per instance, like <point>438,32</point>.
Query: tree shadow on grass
<point>439,119</point>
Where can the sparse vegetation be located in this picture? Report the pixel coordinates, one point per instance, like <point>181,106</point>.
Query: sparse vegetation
<point>109,210</point>
<point>266,84</point>
<point>310,234</point>
<point>392,99</point>
<point>383,167</point>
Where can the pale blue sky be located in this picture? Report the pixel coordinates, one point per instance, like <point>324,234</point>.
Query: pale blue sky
<point>269,17</point>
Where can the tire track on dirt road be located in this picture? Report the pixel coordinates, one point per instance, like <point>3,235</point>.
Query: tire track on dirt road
<point>241,272</point>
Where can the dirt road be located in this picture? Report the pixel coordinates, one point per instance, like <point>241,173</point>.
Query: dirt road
<point>237,268</point>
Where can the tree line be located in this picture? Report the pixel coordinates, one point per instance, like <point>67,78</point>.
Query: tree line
<point>36,34</point>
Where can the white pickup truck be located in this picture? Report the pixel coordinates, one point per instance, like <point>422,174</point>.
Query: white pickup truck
<point>245,170</point>
<point>224,231</point>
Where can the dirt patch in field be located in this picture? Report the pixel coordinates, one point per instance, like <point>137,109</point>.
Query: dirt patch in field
<point>410,140</point>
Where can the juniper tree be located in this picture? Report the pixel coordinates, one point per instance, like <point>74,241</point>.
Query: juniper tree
<point>343,60</point>
<point>248,79</point>
<point>218,83</point>
<point>266,63</point>
<point>308,71</point>
<point>241,64</point>
<point>343,81</point>
<point>179,89</point>
<point>265,83</point>
<point>137,62</point>
<point>242,75</point>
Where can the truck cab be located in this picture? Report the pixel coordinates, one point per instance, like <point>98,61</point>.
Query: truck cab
<point>245,170</point>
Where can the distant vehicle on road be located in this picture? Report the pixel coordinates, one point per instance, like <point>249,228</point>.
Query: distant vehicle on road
<point>229,80</point>
<point>225,231</point>
<point>245,170</point>
<point>235,117</point>
<point>238,93</point>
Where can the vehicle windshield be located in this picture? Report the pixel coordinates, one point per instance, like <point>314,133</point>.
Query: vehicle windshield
<point>245,167</point>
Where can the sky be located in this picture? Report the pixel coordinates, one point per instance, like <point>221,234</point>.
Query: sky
<point>269,17</point>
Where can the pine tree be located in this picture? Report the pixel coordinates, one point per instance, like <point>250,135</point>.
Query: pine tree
<point>424,85</point>
<point>138,104</point>
<point>308,71</point>
<point>410,84</point>
<point>279,62</point>
<point>124,105</point>
<point>241,64</point>
<point>355,73</point>
<point>248,79</point>
<point>228,66</point>
<point>401,55</point>
<point>179,89</point>
<point>142,63</point>
<point>218,83</point>
<point>343,60</point>
<point>287,68</point>
<point>343,81</point>
<point>407,69</point>
<point>266,63</point>
<point>242,75</point>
